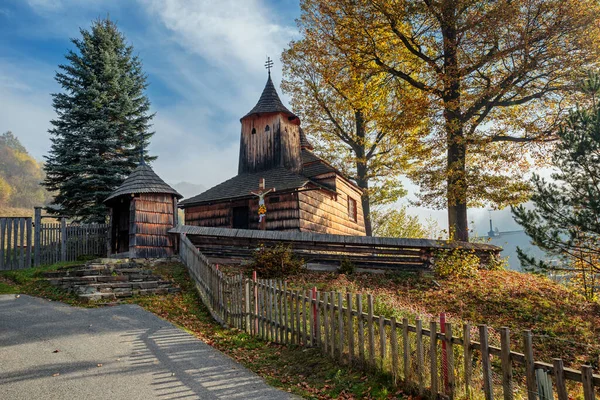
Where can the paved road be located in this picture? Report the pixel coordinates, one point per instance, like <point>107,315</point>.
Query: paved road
<point>121,352</point>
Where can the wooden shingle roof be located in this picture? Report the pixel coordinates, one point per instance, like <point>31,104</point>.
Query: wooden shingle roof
<point>241,185</point>
<point>269,102</point>
<point>304,143</point>
<point>143,180</point>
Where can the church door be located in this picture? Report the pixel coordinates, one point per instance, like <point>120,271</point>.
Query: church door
<point>240,217</point>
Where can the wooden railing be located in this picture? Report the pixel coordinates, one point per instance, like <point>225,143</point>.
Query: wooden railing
<point>25,241</point>
<point>362,251</point>
<point>61,242</point>
<point>15,242</point>
<point>431,360</point>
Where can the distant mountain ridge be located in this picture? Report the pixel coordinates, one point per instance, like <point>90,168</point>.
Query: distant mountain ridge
<point>188,189</point>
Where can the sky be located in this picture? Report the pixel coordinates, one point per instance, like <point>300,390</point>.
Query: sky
<point>205,65</point>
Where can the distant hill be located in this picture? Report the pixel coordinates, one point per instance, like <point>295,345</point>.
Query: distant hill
<point>20,175</point>
<point>188,189</point>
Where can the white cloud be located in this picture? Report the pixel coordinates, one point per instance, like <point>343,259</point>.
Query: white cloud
<point>184,154</point>
<point>233,34</point>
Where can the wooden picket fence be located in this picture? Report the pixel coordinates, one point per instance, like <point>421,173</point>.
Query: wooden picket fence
<point>431,360</point>
<point>15,242</point>
<point>59,242</point>
<point>26,242</point>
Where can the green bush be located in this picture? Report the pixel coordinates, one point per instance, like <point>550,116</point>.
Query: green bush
<point>497,263</point>
<point>275,262</point>
<point>346,267</point>
<point>458,263</point>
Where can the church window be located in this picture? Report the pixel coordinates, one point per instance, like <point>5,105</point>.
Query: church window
<point>253,131</point>
<point>267,129</point>
<point>352,209</point>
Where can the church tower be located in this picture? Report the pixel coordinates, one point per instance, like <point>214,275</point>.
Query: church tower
<point>270,135</point>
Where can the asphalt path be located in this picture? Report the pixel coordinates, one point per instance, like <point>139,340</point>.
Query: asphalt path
<point>50,350</point>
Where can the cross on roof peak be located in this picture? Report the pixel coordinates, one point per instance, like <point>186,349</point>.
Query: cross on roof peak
<point>269,64</point>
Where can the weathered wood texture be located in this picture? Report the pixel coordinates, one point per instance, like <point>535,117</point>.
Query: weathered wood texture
<point>269,141</point>
<point>68,243</point>
<point>368,252</point>
<point>266,308</point>
<point>312,209</point>
<point>325,212</point>
<point>152,216</point>
<point>283,213</point>
<point>15,242</point>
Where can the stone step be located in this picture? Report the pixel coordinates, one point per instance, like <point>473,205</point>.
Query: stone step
<point>111,287</point>
<point>97,297</point>
<point>121,293</point>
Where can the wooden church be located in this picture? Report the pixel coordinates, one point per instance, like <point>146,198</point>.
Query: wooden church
<point>280,177</point>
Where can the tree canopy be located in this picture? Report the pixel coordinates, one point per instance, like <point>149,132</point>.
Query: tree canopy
<point>496,75</point>
<point>357,120</point>
<point>565,219</point>
<point>102,124</point>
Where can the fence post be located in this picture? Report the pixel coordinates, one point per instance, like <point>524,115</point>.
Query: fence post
<point>28,256</point>
<point>444,352</point>
<point>468,358</point>
<point>449,361</point>
<point>63,239</point>
<point>255,303</point>
<point>506,364</point>
<point>314,315</point>
<point>529,366</point>
<point>485,360</point>
<point>559,375</point>
<point>587,379</point>
<point>247,309</point>
<point>37,229</point>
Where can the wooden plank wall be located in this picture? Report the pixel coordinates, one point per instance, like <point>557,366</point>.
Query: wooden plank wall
<point>153,216</point>
<point>323,212</point>
<point>430,359</point>
<point>281,215</point>
<point>15,242</point>
<point>279,146</point>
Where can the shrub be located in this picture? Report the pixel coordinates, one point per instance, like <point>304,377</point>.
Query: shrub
<point>458,263</point>
<point>347,267</point>
<point>275,262</point>
<point>497,263</point>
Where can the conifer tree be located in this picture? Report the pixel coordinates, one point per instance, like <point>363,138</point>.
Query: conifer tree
<point>565,220</point>
<point>103,122</point>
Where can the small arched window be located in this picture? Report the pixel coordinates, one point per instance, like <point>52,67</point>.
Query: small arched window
<point>267,129</point>
<point>253,131</point>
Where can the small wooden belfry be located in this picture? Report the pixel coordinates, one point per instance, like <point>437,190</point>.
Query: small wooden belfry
<point>142,210</point>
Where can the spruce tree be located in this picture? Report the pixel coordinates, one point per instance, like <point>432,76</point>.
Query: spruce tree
<point>103,122</point>
<point>565,219</point>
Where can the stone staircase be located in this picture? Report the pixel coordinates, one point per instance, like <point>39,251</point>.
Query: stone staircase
<point>110,279</point>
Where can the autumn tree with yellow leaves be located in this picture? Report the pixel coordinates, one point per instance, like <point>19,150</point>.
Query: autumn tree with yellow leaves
<point>496,73</point>
<point>364,123</point>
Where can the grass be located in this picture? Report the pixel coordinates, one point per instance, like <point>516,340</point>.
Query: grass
<point>30,281</point>
<point>564,324</point>
<point>305,372</point>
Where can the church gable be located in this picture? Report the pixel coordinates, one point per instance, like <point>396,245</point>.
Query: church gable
<point>306,192</point>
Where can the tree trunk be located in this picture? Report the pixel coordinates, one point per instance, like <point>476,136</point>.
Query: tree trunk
<point>457,147</point>
<point>362,178</point>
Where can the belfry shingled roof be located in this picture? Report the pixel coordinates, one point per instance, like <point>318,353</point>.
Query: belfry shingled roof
<point>143,180</point>
<point>269,101</point>
<point>304,143</point>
